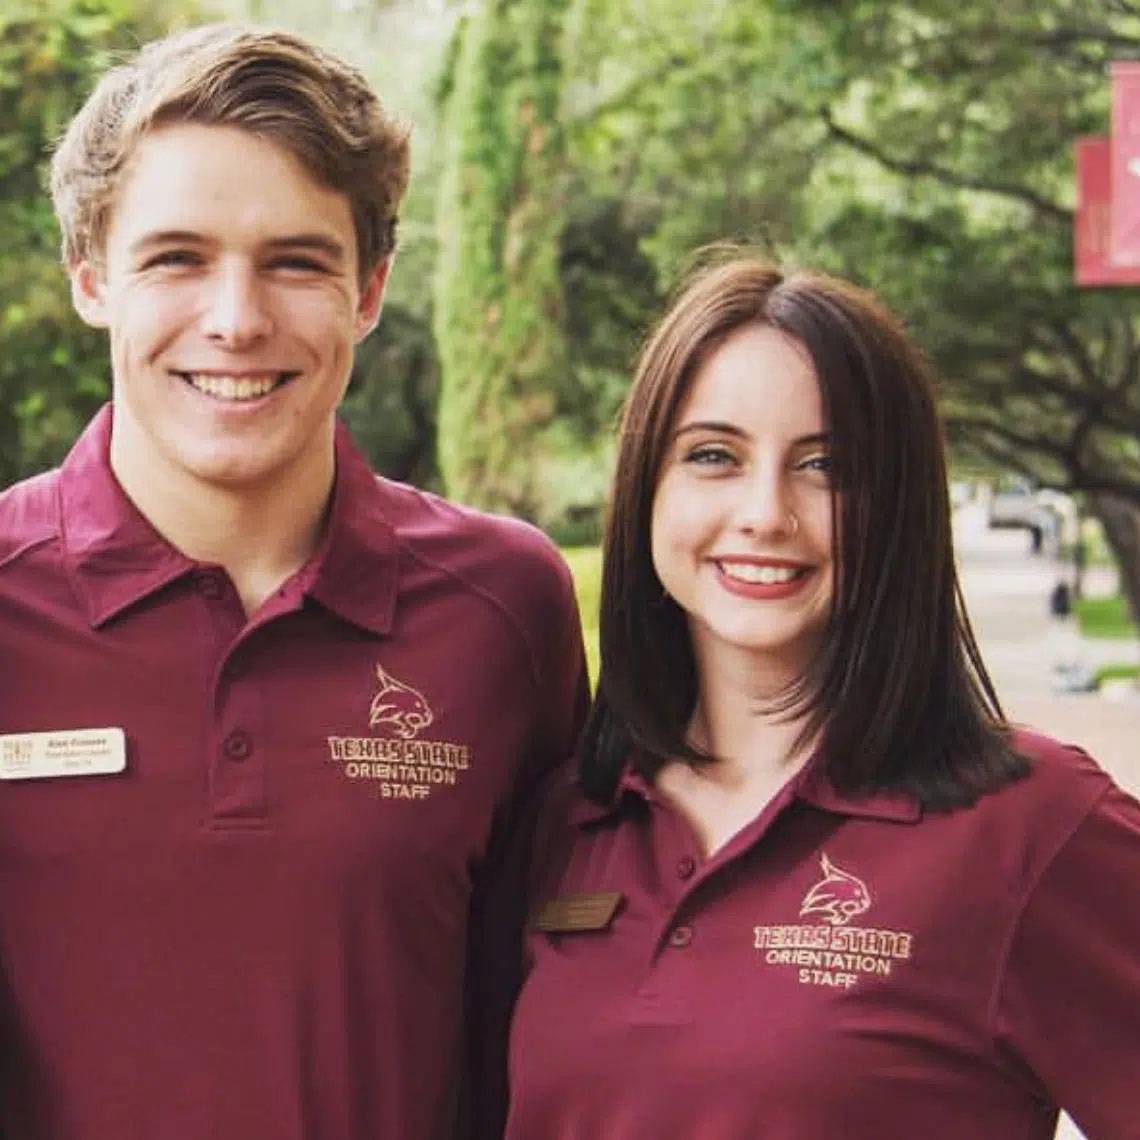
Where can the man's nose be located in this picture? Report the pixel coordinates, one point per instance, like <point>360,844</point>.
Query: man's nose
<point>237,312</point>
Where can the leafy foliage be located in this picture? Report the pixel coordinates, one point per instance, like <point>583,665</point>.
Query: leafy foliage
<point>506,384</point>
<point>391,402</point>
<point>586,147</point>
<point>922,148</point>
<point>53,370</point>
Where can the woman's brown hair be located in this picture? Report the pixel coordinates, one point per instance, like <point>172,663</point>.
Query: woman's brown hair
<point>898,694</point>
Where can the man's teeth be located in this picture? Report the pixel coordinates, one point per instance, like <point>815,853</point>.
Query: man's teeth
<point>232,387</point>
<point>763,575</point>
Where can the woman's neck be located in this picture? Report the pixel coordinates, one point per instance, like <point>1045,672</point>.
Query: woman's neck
<point>742,716</point>
<point>755,752</point>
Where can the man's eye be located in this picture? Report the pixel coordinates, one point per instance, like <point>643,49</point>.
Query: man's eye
<point>298,265</point>
<point>172,258</point>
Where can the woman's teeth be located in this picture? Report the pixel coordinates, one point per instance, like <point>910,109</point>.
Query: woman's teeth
<point>762,575</point>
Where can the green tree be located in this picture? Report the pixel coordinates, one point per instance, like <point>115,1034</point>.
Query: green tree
<point>52,368</point>
<point>506,429</point>
<point>391,402</point>
<point>923,148</point>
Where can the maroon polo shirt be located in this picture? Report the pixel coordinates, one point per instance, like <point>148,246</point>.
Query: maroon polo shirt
<point>840,969</point>
<point>259,929</point>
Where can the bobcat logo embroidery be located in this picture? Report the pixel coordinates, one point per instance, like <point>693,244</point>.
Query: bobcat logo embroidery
<point>838,897</point>
<point>398,707</point>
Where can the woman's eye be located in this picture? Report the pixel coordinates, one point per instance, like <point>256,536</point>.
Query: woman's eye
<point>710,455</point>
<point>821,462</point>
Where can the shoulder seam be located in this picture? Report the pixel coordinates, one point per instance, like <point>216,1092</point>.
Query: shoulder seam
<point>1019,914</point>
<point>488,597</point>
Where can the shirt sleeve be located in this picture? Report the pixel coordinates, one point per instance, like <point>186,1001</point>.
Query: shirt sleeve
<point>1069,1000</point>
<point>500,903</point>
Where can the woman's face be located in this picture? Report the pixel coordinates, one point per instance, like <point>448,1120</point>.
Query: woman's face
<point>742,521</point>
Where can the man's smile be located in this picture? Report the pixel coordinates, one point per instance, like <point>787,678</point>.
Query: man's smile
<point>236,386</point>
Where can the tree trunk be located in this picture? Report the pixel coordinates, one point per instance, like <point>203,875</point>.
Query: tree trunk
<point>1121,522</point>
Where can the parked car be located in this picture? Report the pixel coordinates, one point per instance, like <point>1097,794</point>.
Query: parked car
<point>1015,504</point>
<point>1049,516</point>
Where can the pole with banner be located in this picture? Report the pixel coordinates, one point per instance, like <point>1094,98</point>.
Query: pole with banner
<point>1096,209</point>
<point>1124,232</point>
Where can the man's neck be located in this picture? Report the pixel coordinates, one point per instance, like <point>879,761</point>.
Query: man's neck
<point>261,536</point>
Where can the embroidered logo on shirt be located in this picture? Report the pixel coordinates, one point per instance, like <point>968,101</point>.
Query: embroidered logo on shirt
<point>838,897</point>
<point>832,952</point>
<point>396,761</point>
<point>399,707</point>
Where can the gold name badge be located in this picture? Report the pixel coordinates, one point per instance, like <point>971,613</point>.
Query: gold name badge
<point>572,913</point>
<point>71,752</point>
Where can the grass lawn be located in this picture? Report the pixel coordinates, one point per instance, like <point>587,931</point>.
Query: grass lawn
<point>586,566</point>
<point>1104,617</point>
<point>1119,672</point>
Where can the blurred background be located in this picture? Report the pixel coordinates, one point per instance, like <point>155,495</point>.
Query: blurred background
<point>569,158</point>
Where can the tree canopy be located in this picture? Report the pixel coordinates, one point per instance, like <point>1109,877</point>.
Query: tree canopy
<point>52,370</point>
<point>578,151</point>
<point>923,149</point>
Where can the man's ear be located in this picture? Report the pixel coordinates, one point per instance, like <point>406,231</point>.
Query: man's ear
<point>89,293</point>
<point>371,299</point>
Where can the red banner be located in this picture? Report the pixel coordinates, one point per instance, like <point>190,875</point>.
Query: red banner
<point>1093,224</point>
<point>1124,242</point>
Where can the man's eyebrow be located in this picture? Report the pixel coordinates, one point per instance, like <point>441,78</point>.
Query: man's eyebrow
<point>167,237</point>
<point>315,243</point>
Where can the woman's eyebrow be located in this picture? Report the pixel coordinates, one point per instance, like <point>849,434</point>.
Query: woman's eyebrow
<point>710,425</point>
<point>723,428</point>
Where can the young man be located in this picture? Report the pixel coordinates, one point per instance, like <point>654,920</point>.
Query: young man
<point>265,718</point>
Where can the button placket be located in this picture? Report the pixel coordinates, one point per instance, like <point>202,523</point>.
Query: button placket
<point>237,745</point>
<point>210,584</point>
<point>239,748</point>
<point>681,937</point>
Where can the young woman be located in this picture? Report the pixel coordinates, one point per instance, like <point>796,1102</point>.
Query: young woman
<point>807,883</point>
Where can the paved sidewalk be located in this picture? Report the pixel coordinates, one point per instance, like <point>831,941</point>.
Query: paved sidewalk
<point>1007,592</point>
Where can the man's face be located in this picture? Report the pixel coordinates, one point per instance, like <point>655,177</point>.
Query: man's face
<point>231,293</point>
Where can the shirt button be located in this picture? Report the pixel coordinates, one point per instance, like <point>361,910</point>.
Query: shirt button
<point>686,865</point>
<point>210,585</point>
<point>237,746</point>
<point>681,937</point>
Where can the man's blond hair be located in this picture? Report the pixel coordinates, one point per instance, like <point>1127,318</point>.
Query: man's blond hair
<point>271,83</point>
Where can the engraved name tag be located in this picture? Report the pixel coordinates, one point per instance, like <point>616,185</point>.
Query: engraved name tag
<point>71,752</point>
<point>573,913</point>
